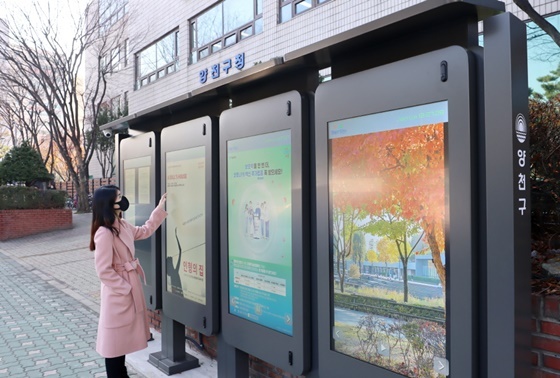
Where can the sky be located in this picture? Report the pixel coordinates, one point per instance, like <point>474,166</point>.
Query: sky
<point>66,10</point>
<point>538,66</point>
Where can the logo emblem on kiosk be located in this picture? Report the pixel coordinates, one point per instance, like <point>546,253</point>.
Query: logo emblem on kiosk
<point>521,128</point>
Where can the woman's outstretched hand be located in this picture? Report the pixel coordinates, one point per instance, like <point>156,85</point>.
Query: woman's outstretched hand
<point>162,201</point>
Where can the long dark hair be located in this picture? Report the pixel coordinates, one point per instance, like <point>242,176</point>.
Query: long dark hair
<point>103,211</point>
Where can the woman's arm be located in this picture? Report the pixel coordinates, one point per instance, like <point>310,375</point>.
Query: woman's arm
<point>156,219</point>
<point>104,262</point>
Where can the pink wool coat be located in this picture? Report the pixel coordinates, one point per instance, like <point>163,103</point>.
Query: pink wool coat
<point>123,320</point>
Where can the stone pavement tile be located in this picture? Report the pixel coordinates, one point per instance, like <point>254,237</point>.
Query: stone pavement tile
<point>49,296</point>
<point>62,258</point>
<point>37,338</point>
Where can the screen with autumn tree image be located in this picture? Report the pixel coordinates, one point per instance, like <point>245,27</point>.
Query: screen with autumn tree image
<point>387,188</point>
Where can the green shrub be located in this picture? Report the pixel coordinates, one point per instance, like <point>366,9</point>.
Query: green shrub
<point>389,308</point>
<point>23,164</point>
<point>21,197</point>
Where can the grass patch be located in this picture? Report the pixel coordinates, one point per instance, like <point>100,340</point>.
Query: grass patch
<point>392,295</point>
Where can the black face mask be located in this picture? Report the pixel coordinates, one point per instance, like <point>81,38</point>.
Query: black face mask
<point>123,204</point>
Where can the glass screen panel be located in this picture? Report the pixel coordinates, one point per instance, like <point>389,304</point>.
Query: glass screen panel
<point>259,188</point>
<point>137,189</point>
<point>186,223</point>
<point>387,189</point>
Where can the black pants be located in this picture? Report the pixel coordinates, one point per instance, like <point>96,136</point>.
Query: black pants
<point>115,367</point>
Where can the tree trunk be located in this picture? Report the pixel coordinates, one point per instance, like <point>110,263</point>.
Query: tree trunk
<point>343,273</point>
<point>338,272</point>
<point>405,279</point>
<point>436,253</point>
<point>82,188</point>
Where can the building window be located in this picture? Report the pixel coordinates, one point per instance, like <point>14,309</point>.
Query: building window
<point>157,60</point>
<point>223,25</point>
<point>104,65</point>
<point>116,59</point>
<point>125,51</point>
<point>110,11</point>
<point>125,104</point>
<point>115,107</point>
<point>291,8</point>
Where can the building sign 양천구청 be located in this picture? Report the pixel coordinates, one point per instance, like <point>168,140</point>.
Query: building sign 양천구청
<point>238,62</point>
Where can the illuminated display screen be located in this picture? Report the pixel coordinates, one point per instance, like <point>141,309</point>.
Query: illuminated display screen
<point>259,189</point>
<point>387,189</point>
<point>137,184</point>
<point>186,230</point>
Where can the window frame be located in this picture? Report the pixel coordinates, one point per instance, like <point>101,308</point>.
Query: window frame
<point>158,72</point>
<point>106,19</point>
<point>293,7</point>
<point>197,53</point>
<point>115,59</point>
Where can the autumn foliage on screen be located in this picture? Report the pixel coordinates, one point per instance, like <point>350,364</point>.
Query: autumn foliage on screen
<point>397,171</point>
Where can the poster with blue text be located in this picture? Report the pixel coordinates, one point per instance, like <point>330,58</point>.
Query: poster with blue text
<point>260,229</point>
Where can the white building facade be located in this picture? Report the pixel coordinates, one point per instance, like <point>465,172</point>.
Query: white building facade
<point>172,47</point>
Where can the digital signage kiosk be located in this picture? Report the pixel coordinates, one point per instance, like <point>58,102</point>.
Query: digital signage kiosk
<point>139,182</point>
<point>264,230</point>
<point>190,232</point>
<point>395,233</point>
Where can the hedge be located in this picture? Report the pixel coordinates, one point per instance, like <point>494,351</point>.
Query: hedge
<point>389,308</point>
<point>21,198</point>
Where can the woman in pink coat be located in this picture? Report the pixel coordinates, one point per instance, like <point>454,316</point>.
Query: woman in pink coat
<point>123,319</point>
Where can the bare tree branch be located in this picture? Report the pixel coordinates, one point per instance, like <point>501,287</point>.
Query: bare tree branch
<point>546,26</point>
<point>46,67</point>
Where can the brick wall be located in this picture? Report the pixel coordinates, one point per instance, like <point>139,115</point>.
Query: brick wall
<point>546,336</point>
<point>68,186</point>
<point>18,223</point>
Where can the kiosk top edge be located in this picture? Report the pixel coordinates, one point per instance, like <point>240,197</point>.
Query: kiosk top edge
<point>412,17</point>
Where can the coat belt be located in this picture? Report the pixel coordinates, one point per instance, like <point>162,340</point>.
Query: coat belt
<point>129,266</point>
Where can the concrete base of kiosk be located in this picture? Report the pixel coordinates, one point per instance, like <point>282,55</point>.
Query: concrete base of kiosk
<point>170,367</point>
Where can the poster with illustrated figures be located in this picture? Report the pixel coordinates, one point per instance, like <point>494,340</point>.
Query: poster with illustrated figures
<point>186,233</point>
<point>259,187</point>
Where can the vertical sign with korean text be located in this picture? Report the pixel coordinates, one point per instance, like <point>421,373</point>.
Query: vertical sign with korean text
<point>521,167</point>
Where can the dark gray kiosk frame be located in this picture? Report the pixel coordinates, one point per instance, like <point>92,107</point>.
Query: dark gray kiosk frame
<point>501,274</point>
<point>447,75</point>
<point>287,111</point>
<point>179,311</point>
<point>195,133</point>
<point>146,146</point>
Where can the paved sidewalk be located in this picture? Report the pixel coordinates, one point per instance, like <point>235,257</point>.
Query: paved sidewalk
<point>43,331</point>
<point>49,305</point>
<point>62,258</point>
